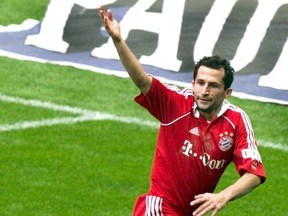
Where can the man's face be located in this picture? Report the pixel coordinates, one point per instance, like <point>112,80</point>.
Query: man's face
<point>209,90</point>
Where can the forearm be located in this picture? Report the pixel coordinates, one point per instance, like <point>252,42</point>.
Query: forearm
<point>216,202</point>
<point>128,59</point>
<point>241,187</point>
<point>132,66</point>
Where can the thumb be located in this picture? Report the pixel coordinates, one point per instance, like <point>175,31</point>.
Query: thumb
<point>110,15</point>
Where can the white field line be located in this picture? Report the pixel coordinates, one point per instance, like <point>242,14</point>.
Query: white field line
<point>46,105</point>
<point>72,120</point>
<point>273,146</point>
<point>85,115</point>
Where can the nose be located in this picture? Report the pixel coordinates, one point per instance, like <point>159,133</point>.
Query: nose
<point>205,90</point>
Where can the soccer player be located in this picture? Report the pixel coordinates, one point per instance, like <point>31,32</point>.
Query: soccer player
<point>199,135</point>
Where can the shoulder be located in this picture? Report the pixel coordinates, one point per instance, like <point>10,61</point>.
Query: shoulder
<point>234,114</point>
<point>186,92</point>
<point>230,109</point>
<point>237,111</point>
<point>171,89</point>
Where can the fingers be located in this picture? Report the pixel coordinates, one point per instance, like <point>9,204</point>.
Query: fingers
<point>207,202</point>
<point>101,8</point>
<point>203,209</point>
<point>111,25</point>
<point>102,12</point>
<point>105,15</point>
<point>201,198</point>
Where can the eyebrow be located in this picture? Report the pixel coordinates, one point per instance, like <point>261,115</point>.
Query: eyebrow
<point>213,82</point>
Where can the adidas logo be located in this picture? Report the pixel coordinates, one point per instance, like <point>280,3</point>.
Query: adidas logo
<point>194,131</point>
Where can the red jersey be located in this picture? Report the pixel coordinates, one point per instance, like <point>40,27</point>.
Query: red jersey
<point>191,154</point>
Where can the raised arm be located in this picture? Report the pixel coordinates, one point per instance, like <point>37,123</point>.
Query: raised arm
<point>218,201</point>
<point>128,59</point>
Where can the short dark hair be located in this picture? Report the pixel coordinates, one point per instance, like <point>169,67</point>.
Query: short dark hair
<point>217,62</point>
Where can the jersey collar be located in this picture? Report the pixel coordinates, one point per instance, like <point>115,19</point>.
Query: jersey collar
<point>223,109</point>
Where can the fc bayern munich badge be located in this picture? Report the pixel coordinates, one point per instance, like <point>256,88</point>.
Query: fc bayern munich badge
<point>225,142</point>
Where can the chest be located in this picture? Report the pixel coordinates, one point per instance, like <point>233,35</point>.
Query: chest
<point>210,143</point>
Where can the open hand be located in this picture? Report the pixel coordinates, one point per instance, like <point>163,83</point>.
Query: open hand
<point>208,202</point>
<point>111,25</point>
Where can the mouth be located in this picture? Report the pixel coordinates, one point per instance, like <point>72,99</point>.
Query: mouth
<point>204,100</point>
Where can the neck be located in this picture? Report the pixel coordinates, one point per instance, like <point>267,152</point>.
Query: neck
<point>208,116</point>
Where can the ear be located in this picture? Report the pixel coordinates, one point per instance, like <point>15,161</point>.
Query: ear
<point>228,92</point>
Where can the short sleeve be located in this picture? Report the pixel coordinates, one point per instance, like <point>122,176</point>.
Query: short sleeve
<point>246,156</point>
<point>164,102</point>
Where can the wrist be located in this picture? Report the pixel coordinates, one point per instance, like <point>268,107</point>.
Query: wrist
<point>116,39</point>
<point>227,195</point>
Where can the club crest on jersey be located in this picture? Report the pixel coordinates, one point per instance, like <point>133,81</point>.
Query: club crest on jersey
<point>226,141</point>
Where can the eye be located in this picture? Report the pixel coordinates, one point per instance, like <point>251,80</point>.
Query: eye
<point>200,82</point>
<point>214,85</point>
